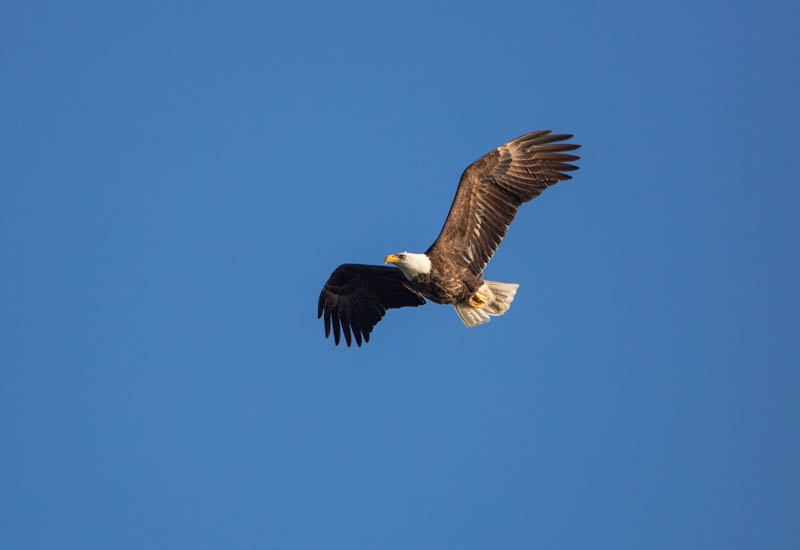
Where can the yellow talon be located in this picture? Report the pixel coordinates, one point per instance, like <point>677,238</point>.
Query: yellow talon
<point>478,300</point>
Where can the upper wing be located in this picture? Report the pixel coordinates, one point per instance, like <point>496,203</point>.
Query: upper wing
<point>357,296</point>
<point>492,188</point>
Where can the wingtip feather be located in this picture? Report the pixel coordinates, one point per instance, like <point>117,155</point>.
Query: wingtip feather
<point>336,328</point>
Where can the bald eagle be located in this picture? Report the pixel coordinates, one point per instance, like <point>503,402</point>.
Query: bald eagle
<point>355,297</point>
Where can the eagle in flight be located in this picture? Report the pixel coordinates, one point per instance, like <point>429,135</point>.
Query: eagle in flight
<point>355,297</point>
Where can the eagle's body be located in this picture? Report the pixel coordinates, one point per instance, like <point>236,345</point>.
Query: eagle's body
<point>446,286</point>
<point>357,296</point>
<point>442,283</point>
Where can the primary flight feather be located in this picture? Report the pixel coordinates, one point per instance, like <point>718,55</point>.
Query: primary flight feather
<point>355,297</point>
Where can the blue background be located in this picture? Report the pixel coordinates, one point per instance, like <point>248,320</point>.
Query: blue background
<point>179,180</point>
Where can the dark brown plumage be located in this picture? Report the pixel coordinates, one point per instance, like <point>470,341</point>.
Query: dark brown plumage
<point>357,297</point>
<point>490,191</point>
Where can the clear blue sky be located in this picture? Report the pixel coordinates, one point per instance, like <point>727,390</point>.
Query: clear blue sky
<point>179,180</point>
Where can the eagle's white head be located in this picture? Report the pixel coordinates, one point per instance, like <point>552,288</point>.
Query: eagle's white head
<point>410,264</point>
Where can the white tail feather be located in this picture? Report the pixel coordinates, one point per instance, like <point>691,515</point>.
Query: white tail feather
<point>500,297</point>
<point>470,316</point>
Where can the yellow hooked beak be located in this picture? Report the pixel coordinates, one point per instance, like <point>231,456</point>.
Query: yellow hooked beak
<point>392,259</point>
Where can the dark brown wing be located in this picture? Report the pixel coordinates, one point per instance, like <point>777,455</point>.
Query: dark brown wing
<point>492,188</point>
<point>357,297</point>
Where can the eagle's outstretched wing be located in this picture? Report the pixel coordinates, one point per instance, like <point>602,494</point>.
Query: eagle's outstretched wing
<point>357,297</point>
<point>492,188</point>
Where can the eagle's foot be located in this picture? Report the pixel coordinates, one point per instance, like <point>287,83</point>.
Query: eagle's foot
<point>478,300</point>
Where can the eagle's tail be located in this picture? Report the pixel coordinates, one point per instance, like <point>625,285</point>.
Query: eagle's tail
<point>500,296</point>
